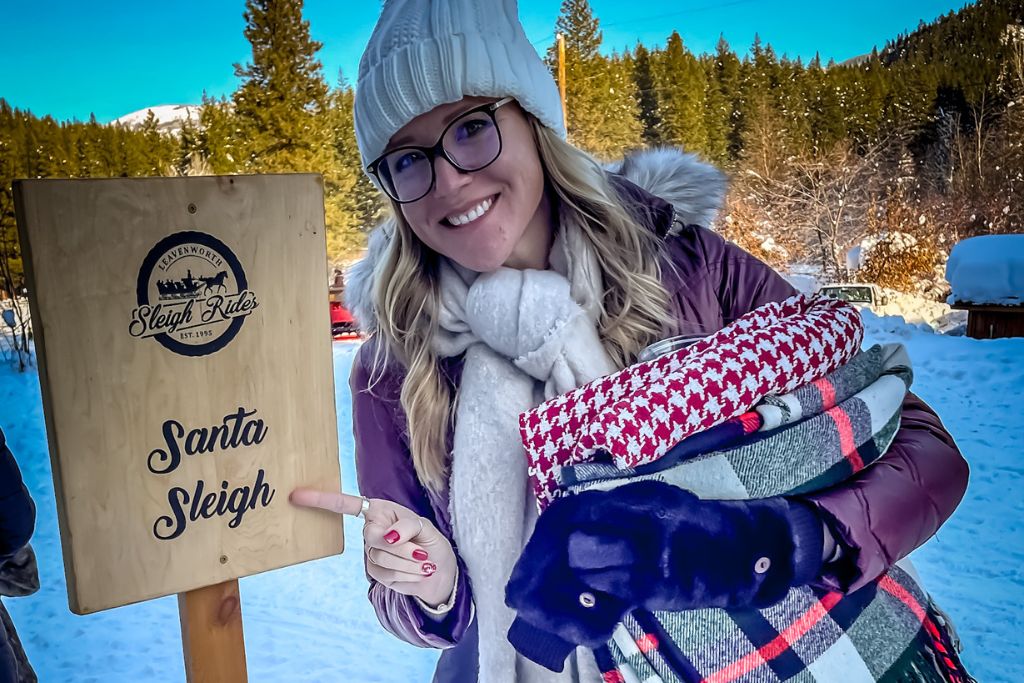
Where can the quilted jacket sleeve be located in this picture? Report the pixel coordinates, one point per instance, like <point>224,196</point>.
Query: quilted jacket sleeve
<point>384,469</point>
<point>891,507</point>
<point>894,506</point>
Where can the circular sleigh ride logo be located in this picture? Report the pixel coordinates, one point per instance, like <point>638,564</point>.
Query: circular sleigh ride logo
<point>192,295</point>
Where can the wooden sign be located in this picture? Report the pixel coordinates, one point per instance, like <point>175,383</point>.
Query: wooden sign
<point>183,334</point>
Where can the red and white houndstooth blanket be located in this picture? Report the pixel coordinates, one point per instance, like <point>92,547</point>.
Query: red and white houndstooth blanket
<point>637,414</point>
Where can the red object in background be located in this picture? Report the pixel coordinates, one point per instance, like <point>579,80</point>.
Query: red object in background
<point>343,325</point>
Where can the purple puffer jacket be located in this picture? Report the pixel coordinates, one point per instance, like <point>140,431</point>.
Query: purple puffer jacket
<point>879,516</point>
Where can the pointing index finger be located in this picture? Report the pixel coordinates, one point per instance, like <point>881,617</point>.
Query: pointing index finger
<point>333,501</point>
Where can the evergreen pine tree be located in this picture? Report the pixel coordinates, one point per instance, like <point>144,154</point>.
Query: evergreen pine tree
<point>277,115</point>
<point>11,154</point>
<point>218,142</point>
<point>727,77</point>
<point>718,113</point>
<point>822,93</point>
<point>646,95</point>
<point>682,81</point>
<point>790,101</point>
<point>353,204</point>
<point>764,149</point>
<point>142,148</point>
<point>621,126</point>
<point>188,159</point>
<point>158,149</point>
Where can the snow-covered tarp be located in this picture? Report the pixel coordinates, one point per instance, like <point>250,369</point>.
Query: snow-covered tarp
<point>987,270</point>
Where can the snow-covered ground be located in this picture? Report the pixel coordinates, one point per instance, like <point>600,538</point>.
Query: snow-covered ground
<point>919,311</point>
<point>312,622</point>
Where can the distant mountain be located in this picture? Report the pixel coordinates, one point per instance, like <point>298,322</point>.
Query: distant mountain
<point>854,61</point>
<point>169,117</point>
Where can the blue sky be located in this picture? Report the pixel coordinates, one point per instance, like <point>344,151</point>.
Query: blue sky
<point>67,58</point>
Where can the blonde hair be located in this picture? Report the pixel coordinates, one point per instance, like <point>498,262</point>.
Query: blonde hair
<point>406,296</point>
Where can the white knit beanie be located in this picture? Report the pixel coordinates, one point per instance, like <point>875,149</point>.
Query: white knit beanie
<point>424,53</point>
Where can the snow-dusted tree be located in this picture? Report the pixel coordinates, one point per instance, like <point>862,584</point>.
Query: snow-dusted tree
<point>902,247</point>
<point>764,147</point>
<point>745,221</point>
<point>1012,157</point>
<point>721,105</point>
<point>600,94</point>
<point>822,200</point>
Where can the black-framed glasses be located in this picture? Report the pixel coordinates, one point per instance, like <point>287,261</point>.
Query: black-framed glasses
<point>470,143</point>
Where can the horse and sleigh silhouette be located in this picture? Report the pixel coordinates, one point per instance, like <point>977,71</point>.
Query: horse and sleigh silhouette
<point>189,287</point>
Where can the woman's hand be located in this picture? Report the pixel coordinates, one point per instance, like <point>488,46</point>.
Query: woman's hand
<point>404,551</point>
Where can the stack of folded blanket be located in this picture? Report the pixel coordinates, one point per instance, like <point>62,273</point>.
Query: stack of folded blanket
<point>781,402</point>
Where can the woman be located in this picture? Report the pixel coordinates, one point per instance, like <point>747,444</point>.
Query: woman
<point>513,269</point>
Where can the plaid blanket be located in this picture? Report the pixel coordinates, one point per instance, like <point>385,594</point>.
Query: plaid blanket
<point>638,414</point>
<point>719,437</point>
<point>829,444</point>
<point>823,433</point>
<point>812,636</point>
<point>820,395</point>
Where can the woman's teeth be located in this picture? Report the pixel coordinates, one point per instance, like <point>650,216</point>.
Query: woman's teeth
<point>471,215</point>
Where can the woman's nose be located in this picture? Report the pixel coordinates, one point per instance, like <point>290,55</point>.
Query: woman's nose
<point>448,179</point>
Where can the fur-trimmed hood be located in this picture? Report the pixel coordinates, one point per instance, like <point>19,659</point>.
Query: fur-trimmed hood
<point>694,188</point>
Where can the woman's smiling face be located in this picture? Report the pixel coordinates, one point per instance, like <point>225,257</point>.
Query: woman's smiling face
<point>482,220</point>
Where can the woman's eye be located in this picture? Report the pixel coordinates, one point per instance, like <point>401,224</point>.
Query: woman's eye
<point>472,127</point>
<point>406,160</point>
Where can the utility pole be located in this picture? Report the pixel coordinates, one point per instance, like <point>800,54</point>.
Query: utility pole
<point>560,40</point>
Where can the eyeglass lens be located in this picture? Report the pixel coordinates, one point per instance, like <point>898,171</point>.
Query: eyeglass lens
<point>471,141</point>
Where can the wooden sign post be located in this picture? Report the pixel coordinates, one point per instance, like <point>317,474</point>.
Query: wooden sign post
<point>183,336</point>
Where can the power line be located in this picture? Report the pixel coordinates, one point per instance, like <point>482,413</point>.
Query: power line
<point>544,39</point>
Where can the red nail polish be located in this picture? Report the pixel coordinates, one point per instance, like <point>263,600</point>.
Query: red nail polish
<point>391,536</point>
<point>419,554</point>
<point>429,567</point>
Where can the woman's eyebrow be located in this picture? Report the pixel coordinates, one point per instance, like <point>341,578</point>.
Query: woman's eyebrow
<point>406,140</point>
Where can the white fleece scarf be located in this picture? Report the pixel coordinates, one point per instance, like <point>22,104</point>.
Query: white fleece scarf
<point>528,336</point>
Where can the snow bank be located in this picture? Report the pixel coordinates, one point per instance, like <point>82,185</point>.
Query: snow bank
<point>987,270</point>
<point>313,623</point>
<point>805,284</point>
<point>925,314</point>
<point>906,308</point>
